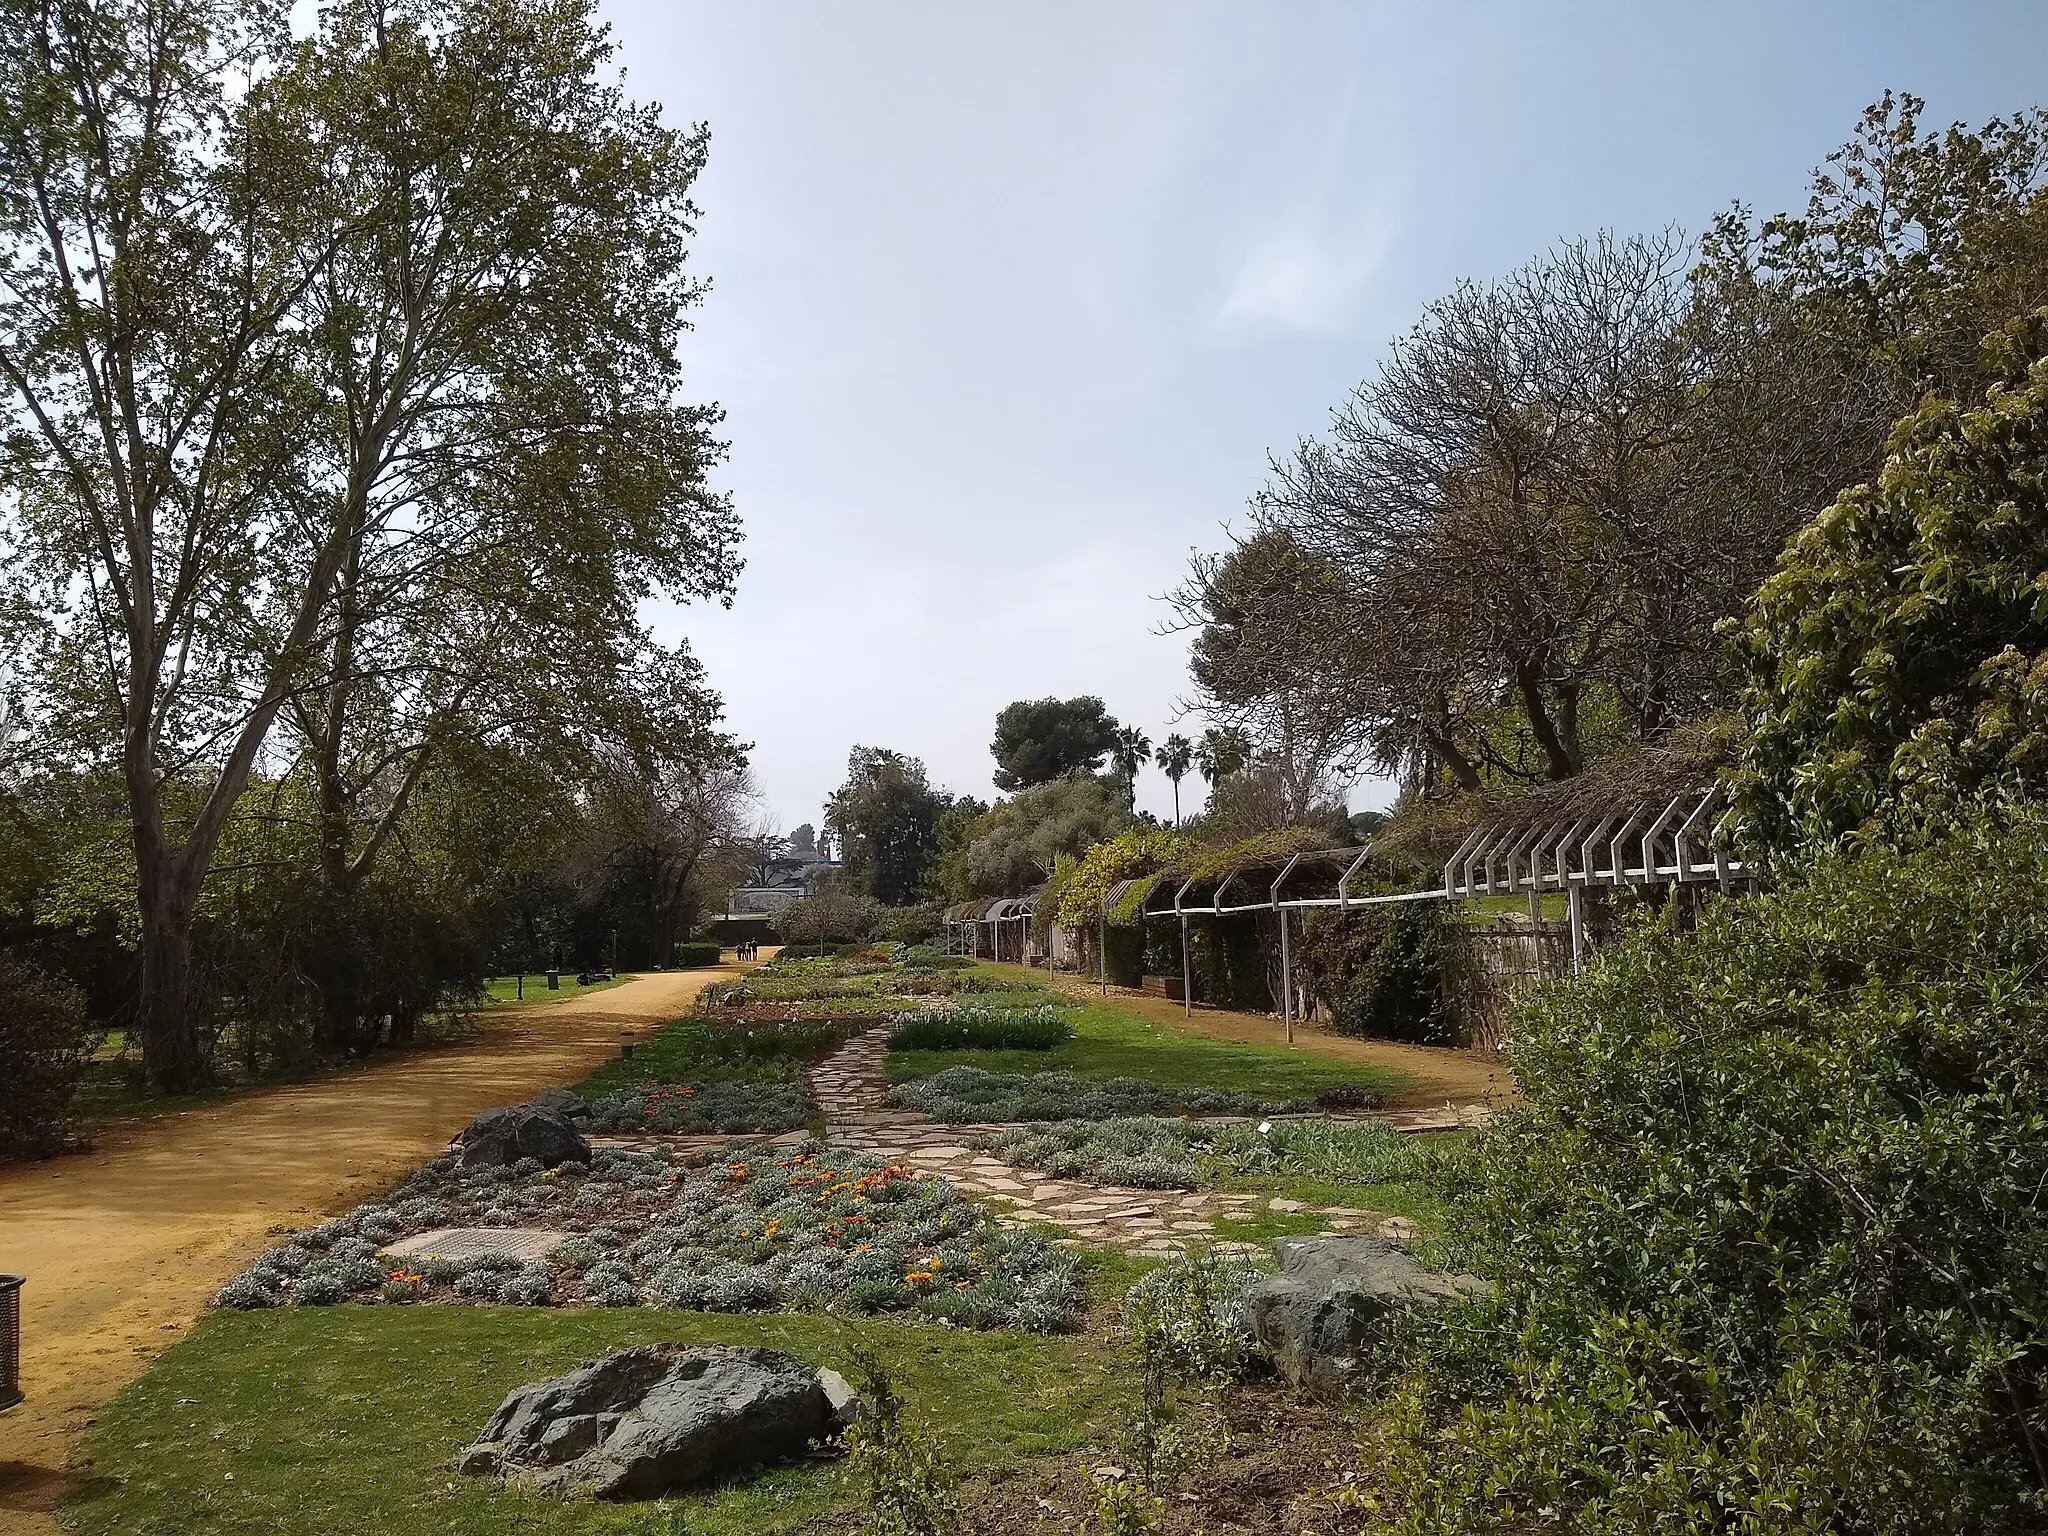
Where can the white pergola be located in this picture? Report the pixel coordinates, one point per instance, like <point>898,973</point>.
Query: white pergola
<point>1683,841</point>
<point>995,916</point>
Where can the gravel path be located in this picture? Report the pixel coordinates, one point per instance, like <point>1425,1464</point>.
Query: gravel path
<point>124,1244</point>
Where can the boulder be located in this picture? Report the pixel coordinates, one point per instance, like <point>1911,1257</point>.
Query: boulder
<point>560,1101</point>
<point>1320,1315</point>
<point>644,1421</point>
<point>503,1136</point>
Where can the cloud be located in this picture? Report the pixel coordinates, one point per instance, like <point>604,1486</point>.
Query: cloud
<point>1298,280</point>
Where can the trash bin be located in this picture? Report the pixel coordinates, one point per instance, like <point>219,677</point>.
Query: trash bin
<point>10,1339</point>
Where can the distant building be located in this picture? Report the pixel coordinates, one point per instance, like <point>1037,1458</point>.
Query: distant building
<point>781,881</point>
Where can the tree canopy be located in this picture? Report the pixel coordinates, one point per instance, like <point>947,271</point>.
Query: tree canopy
<point>342,385</point>
<point>885,817</point>
<point>1039,740</point>
<point>1899,654</point>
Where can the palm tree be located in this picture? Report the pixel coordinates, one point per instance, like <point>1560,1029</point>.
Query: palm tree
<point>1222,752</point>
<point>1132,748</point>
<point>1176,753</point>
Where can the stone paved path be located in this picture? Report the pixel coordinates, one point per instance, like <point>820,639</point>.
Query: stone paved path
<point>851,1086</point>
<point>852,1089</point>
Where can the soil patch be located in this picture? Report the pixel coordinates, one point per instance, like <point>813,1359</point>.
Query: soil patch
<point>124,1243</point>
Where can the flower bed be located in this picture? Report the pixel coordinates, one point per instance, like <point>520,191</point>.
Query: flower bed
<point>1148,1153</point>
<point>742,1231</point>
<point>979,1027</point>
<point>972,1096</point>
<point>704,1106</point>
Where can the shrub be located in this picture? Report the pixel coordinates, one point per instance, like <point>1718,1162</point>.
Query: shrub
<point>905,1487</point>
<point>692,954</point>
<point>1381,970</point>
<point>909,925</point>
<point>978,1027</point>
<point>1898,656</point>
<point>828,917</point>
<point>697,1051</point>
<point>918,958</point>
<point>1769,1242</point>
<point>46,1039</point>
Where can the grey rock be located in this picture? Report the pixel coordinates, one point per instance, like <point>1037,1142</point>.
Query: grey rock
<point>1318,1319</point>
<point>561,1101</point>
<point>840,1398</point>
<point>502,1137</point>
<point>644,1421</point>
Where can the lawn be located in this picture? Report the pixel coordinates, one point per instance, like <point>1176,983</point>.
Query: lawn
<point>329,1421</point>
<point>1111,1042</point>
<point>505,989</point>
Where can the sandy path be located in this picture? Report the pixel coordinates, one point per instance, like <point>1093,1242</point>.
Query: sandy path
<point>1443,1075</point>
<point>122,1245</point>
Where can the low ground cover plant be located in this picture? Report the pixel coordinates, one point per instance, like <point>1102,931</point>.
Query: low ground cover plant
<point>973,1096</point>
<point>1769,1238</point>
<point>745,1230</point>
<point>704,1106</point>
<point>980,1027</point>
<point>918,958</point>
<point>1146,1152</point>
<point>696,1051</point>
<point>771,984</point>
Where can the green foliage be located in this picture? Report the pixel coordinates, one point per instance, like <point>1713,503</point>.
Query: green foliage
<point>1186,1326</point>
<point>909,925</point>
<point>886,817</point>
<point>1898,656</point>
<point>829,917</point>
<point>693,954</point>
<point>1768,1239</point>
<point>917,958</point>
<point>46,1039</point>
<point>905,1486</point>
<point>980,1027</point>
<point>1039,740</point>
<point>1018,844</point>
<point>1383,971</point>
<point>693,1050</point>
<point>688,1108</point>
<point>1080,886</point>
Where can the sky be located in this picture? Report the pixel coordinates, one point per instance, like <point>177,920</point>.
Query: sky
<point>1010,303</point>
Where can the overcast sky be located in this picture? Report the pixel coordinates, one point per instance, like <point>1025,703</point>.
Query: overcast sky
<point>1010,302</point>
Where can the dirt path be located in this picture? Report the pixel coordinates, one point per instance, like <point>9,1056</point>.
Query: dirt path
<point>122,1245</point>
<point>1442,1075</point>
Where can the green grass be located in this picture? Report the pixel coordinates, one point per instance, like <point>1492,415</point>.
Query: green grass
<point>1110,1042</point>
<point>332,1421</point>
<point>504,989</point>
<point>1412,1200</point>
<point>1264,1226</point>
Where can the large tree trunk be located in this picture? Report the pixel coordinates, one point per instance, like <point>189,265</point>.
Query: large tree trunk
<point>172,1059</point>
